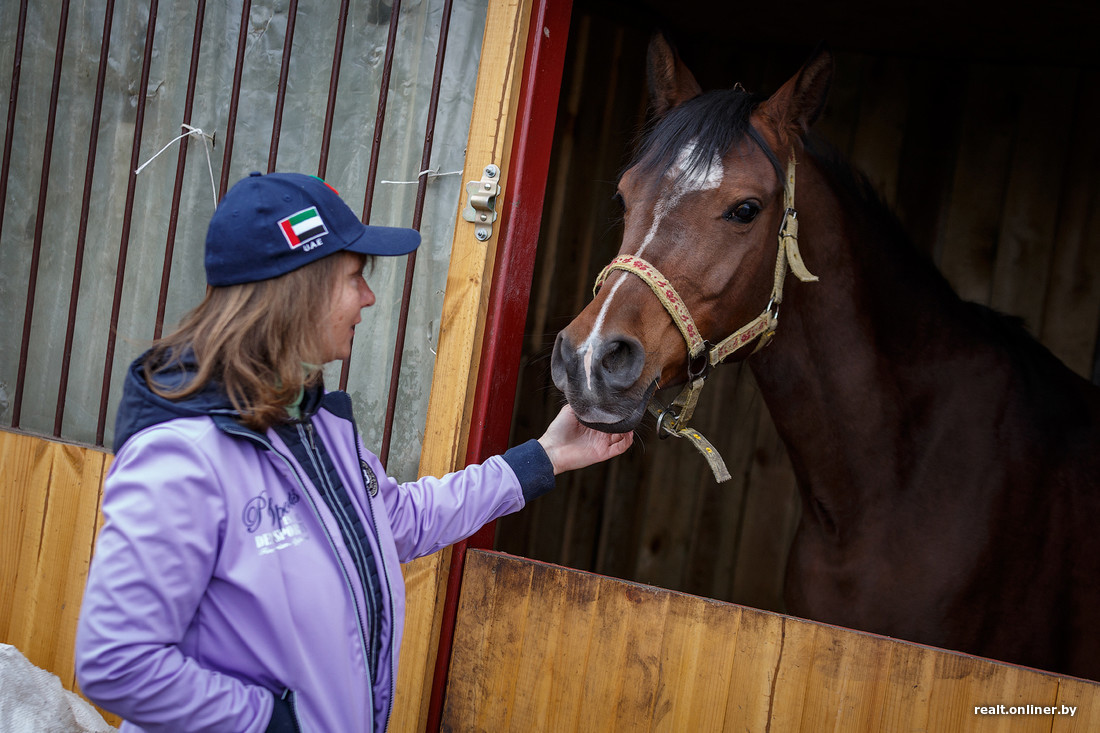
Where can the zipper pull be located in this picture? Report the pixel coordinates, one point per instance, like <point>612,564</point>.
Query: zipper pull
<point>308,426</point>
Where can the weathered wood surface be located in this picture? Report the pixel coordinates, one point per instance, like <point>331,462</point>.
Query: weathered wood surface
<point>544,648</point>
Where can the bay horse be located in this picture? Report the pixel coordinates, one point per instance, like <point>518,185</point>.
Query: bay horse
<point>948,464</point>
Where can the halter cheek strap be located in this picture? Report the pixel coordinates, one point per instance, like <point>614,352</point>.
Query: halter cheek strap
<point>673,420</point>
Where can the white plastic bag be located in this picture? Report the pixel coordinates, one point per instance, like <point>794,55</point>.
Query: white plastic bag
<point>33,700</point>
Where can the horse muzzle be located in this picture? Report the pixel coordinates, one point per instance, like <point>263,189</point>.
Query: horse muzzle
<point>602,380</point>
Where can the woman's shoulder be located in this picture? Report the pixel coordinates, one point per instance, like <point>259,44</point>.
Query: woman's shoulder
<point>190,434</point>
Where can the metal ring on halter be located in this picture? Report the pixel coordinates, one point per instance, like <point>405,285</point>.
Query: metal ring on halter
<point>663,432</point>
<point>772,308</point>
<point>704,369</point>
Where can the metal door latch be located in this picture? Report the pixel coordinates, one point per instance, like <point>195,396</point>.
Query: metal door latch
<point>481,202</point>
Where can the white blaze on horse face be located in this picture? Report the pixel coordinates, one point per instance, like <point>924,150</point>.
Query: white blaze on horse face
<point>589,343</point>
<point>684,180</point>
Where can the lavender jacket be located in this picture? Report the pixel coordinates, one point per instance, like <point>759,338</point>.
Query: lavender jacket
<point>222,596</point>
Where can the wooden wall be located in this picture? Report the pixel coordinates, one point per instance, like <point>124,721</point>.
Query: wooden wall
<point>993,166</point>
<point>51,493</point>
<point>544,648</point>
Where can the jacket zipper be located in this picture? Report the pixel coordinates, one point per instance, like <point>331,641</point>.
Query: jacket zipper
<point>292,701</point>
<point>307,431</point>
<point>385,572</point>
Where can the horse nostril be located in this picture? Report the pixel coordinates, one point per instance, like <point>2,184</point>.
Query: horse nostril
<point>621,361</point>
<point>563,362</point>
<point>616,358</point>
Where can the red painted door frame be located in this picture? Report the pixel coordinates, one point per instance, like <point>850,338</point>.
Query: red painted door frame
<point>510,292</point>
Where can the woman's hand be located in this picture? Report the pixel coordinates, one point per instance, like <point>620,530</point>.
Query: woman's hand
<point>571,445</point>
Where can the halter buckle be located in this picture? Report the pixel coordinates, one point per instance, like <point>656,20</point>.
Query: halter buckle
<point>789,215</point>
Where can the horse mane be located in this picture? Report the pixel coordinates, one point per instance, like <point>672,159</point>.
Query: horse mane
<point>711,123</point>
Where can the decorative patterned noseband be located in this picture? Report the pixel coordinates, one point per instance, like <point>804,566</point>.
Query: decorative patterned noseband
<point>673,420</point>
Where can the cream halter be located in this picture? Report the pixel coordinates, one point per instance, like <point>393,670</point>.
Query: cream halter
<point>672,420</point>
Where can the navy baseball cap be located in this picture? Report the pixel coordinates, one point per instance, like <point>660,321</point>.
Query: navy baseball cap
<point>268,225</point>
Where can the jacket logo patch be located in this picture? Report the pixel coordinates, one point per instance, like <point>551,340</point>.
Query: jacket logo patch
<point>369,479</point>
<point>283,528</point>
<point>279,539</point>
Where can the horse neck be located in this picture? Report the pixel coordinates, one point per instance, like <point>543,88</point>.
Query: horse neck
<point>836,376</point>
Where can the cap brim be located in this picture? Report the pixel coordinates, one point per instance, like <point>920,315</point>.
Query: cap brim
<point>385,241</point>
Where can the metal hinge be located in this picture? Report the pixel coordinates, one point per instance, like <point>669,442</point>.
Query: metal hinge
<point>481,202</point>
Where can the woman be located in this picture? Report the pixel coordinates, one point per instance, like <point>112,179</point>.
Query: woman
<point>247,574</point>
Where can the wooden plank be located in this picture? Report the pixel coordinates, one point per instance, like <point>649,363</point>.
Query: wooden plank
<point>51,516</point>
<point>62,556</point>
<point>603,108</point>
<point>772,510</point>
<point>24,474</point>
<point>962,684</point>
<point>544,648</point>
<point>425,591</point>
<point>1085,703</point>
<point>908,699</point>
<point>695,699</point>
<point>760,641</point>
<point>558,195</point>
<point>847,686</point>
<point>665,525</point>
<point>928,152</point>
<point>572,651</point>
<point>880,133</point>
<point>788,702</point>
<point>496,699</point>
<point>1071,313</point>
<point>973,219</point>
<point>624,507</point>
<point>1034,188</point>
<point>471,644</point>
<point>461,332</point>
<point>730,423</point>
<point>608,697</point>
<point>542,638</point>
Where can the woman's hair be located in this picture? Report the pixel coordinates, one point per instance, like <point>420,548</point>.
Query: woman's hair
<point>260,341</point>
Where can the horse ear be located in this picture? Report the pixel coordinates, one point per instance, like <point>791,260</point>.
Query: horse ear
<point>798,103</point>
<point>670,81</point>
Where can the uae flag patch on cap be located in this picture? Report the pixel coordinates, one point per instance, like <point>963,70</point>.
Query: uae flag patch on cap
<point>302,227</point>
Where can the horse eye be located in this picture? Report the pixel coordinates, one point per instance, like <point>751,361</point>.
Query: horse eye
<point>618,199</point>
<point>743,212</point>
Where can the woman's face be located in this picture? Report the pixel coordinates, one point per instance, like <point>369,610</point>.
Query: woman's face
<point>351,294</point>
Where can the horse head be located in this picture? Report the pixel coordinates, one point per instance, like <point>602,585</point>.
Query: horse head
<point>703,204</point>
